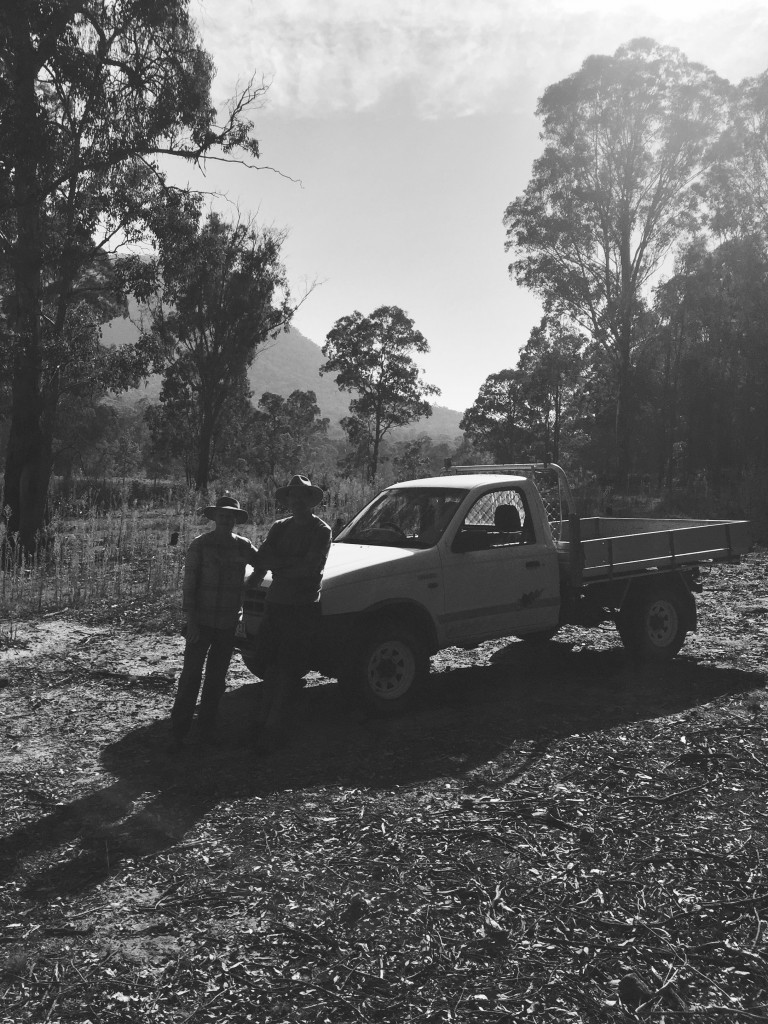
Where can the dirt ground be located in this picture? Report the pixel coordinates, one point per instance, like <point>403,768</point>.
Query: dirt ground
<point>551,834</point>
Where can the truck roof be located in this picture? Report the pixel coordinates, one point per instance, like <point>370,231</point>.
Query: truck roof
<point>463,482</point>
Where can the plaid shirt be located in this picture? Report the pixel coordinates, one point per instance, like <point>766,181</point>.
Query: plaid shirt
<point>213,579</point>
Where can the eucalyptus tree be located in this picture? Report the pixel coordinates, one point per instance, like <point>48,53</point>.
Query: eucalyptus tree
<point>737,182</point>
<point>223,293</point>
<point>287,433</point>
<point>372,359</point>
<point>626,139</point>
<point>499,419</point>
<point>93,94</point>
<point>550,366</point>
<point>711,359</point>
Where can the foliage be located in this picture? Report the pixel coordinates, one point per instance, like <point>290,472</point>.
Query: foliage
<point>223,293</point>
<point>98,439</point>
<point>626,137</point>
<point>736,185</point>
<point>711,357</point>
<point>497,419</point>
<point>525,413</point>
<point>287,433</point>
<point>106,550</point>
<point>92,94</point>
<point>419,457</point>
<point>372,358</point>
<point>551,364</point>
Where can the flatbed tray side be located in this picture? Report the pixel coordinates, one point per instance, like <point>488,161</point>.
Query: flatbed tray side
<point>682,545</point>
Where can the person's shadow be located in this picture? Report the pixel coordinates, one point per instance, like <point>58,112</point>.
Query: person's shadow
<point>515,706</point>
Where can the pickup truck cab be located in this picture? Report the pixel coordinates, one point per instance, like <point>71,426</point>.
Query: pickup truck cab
<point>476,555</point>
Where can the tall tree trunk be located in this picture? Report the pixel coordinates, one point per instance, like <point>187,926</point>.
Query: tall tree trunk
<point>624,417</point>
<point>27,467</point>
<point>203,468</point>
<point>374,463</point>
<point>204,452</point>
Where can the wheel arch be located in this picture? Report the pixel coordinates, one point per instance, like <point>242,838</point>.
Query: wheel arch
<point>341,633</point>
<point>673,581</point>
<point>410,613</point>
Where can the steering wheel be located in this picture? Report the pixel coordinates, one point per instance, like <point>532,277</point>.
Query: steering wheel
<point>389,525</point>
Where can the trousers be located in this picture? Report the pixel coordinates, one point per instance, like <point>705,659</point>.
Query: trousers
<point>212,650</point>
<point>286,638</point>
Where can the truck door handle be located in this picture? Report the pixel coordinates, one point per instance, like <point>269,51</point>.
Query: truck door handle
<point>533,565</point>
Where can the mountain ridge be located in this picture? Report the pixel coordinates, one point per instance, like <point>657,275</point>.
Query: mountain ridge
<point>287,363</point>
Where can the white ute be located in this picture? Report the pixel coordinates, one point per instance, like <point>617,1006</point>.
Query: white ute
<point>477,555</point>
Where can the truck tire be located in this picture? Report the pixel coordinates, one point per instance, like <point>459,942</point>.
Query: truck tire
<point>386,668</point>
<point>652,623</point>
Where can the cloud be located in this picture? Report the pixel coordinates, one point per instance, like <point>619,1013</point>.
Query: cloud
<point>443,57</point>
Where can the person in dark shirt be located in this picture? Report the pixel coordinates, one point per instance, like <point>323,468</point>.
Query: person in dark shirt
<point>214,573</point>
<point>295,552</point>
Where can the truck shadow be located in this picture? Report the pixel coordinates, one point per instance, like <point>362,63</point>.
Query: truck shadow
<point>517,704</point>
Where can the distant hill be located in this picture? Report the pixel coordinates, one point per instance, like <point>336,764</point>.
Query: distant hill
<point>289,363</point>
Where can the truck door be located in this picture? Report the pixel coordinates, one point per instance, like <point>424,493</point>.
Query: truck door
<point>500,578</point>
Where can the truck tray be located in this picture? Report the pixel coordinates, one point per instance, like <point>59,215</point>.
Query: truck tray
<point>618,547</point>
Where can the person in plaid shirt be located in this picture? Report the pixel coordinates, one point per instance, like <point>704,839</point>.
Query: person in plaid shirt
<point>214,573</point>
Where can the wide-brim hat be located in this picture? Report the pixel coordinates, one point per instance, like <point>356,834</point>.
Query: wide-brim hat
<point>301,487</point>
<point>227,502</point>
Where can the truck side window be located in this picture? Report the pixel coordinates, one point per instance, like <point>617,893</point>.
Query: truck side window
<point>502,518</point>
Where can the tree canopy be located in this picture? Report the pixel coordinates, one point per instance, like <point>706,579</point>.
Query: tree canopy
<point>223,293</point>
<point>92,94</point>
<point>372,359</point>
<point>286,433</point>
<point>626,140</point>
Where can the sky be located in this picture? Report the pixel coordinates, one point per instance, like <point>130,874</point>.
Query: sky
<point>394,134</point>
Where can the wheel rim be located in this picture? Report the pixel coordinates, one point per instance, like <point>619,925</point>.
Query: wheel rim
<point>661,623</point>
<point>391,669</point>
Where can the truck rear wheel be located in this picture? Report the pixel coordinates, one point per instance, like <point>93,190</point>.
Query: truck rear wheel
<point>652,623</point>
<point>386,669</point>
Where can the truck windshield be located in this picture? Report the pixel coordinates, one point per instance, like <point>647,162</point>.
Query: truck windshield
<point>405,517</point>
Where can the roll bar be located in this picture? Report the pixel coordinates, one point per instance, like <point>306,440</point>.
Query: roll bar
<point>519,469</point>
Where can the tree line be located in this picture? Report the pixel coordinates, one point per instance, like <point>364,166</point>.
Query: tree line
<point>643,228</point>
<point>96,97</point>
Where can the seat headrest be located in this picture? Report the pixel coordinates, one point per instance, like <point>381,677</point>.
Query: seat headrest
<point>507,518</point>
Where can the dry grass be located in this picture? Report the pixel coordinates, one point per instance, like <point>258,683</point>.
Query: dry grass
<point>111,563</point>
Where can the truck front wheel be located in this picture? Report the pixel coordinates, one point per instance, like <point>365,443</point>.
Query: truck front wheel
<point>652,623</point>
<point>386,668</point>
